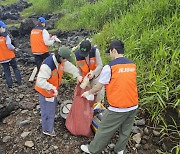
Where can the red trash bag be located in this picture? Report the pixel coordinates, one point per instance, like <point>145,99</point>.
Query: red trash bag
<point>80,116</point>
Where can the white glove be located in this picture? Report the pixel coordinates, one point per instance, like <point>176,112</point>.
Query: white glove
<point>80,78</point>
<point>90,75</point>
<point>88,96</point>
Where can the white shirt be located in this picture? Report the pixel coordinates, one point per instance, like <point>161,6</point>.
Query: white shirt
<point>45,73</point>
<point>105,79</point>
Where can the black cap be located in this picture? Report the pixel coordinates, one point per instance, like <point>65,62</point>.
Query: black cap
<point>118,45</point>
<point>85,47</point>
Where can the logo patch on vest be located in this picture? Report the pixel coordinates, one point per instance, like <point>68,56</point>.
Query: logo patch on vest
<point>92,61</point>
<point>55,73</point>
<point>61,67</point>
<point>81,64</point>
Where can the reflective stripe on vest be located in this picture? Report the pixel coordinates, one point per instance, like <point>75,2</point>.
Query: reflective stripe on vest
<point>82,64</point>
<point>37,42</point>
<point>122,89</point>
<point>5,53</point>
<point>55,79</point>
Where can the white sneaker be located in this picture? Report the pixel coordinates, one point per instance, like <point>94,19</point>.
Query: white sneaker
<point>48,133</point>
<point>85,148</point>
<point>121,152</point>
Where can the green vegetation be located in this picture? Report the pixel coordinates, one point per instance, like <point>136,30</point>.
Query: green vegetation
<point>41,6</point>
<point>150,32</point>
<point>7,2</point>
<point>15,25</point>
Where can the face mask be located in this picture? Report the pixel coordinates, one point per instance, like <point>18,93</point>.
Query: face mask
<point>2,30</point>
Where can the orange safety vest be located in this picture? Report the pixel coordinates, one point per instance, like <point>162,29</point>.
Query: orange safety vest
<point>5,53</point>
<point>55,79</point>
<point>122,88</point>
<point>82,64</point>
<point>37,42</point>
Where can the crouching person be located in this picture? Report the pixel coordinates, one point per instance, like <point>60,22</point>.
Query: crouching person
<point>48,80</point>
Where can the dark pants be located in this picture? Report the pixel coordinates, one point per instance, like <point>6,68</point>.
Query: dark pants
<point>40,58</point>
<point>7,72</point>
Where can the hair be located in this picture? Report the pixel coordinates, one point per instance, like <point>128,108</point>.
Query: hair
<point>58,57</point>
<point>39,23</point>
<point>119,48</point>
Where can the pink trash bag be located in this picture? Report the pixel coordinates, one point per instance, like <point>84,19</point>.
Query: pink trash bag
<point>80,116</point>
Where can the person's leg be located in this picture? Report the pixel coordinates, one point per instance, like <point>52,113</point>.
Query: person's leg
<point>38,61</point>
<point>44,56</point>
<point>124,131</point>
<point>110,123</point>
<point>7,74</point>
<point>51,108</point>
<point>16,70</point>
<point>44,115</point>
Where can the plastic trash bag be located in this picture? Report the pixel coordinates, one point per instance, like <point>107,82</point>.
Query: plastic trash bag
<point>80,116</point>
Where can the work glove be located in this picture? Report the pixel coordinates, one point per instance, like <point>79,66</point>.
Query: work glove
<point>88,96</point>
<point>80,79</point>
<point>90,75</point>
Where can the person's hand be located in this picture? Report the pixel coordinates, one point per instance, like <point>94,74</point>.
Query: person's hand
<point>80,79</point>
<point>88,96</point>
<point>54,37</point>
<point>85,94</point>
<point>90,75</point>
<point>54,91</point>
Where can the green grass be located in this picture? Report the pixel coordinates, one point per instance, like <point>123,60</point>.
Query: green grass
<point>150,31</point>
<point>15,25</point>
<point>7,2</point>
<point>41,6</point>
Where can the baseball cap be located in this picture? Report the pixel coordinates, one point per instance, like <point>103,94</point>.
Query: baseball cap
<point>66,53</point>
<point>2,24</point>
<point>118,45</point>
<point>85,47</point>
<point>42,19</point>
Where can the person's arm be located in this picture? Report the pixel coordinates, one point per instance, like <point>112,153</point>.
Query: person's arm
<point>8,43</point>
<point>99,64</point>
<point>42,77</point>
<point>46,38</point>
<point>70,68</point>
<point>104,79</point>
<point>96,88</point>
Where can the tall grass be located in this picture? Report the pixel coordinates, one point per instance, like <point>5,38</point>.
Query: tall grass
<point>151,34</point>
<point>94,16</point>
<point>42,7</point>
